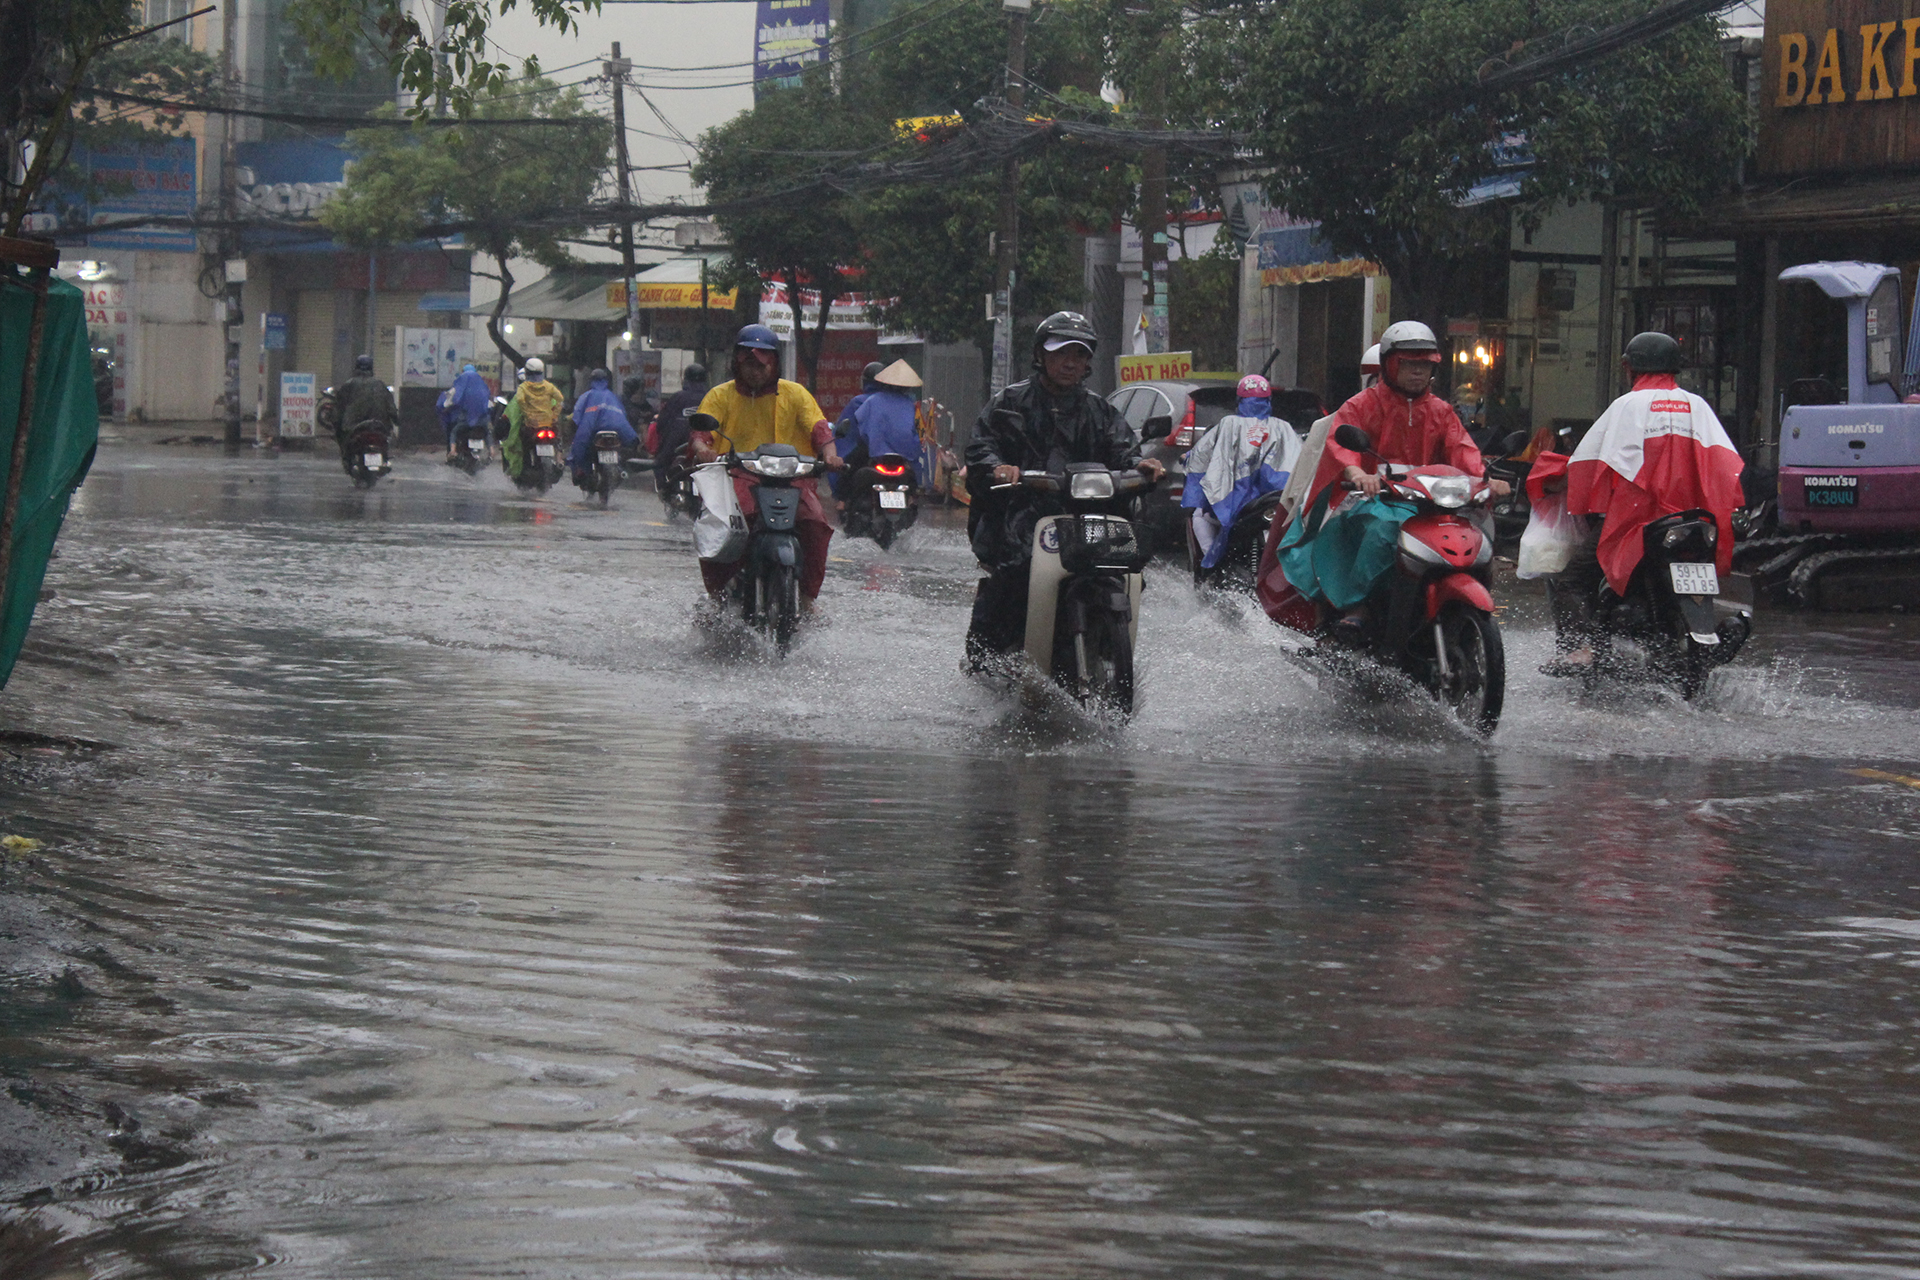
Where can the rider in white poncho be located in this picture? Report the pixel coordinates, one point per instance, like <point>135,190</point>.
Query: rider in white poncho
<point>1248,453</point>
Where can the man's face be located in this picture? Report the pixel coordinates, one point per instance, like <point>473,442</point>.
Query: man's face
<point>1068,367</point>
<point>756,369</point>
<point>1412,376</point>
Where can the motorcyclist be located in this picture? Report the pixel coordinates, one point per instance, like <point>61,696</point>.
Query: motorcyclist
<point>536,404</point>
<point>634,402</point>
<point>846,431</point>
<point>886,421</point>
<point>757,406</point>
<point>597,409</point>
<point>1043,423</point>
<point>466,403</point>
<point>668,433</point>
<point>363,398</point>
<point>1337,560</point>
<point>1247,453</point>
<point>1657,450</point>
<point>1370,367</point>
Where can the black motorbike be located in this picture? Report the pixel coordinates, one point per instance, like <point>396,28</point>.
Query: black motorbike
<point>767,588</point>
<point>1672,610</point>
<point>673,480</point>
<point>881,502</point>
<point>470,447</point>
<point>1237,566</point>
<point>1084,583</point>
<point>368,453</point>
<point>544,465</point>
<point>607,473</point>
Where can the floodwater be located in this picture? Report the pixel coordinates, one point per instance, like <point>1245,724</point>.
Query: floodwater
<point>424,894</point>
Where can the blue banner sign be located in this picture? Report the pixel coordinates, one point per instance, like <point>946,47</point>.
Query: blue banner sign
<point>154,179</point>
<point>788,37</point>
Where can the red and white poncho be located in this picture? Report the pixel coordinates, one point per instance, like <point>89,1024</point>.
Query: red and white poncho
<point>1655,451</point>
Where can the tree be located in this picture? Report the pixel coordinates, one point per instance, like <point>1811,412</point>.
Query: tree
<point>1371,114</point>
<point>51,58</point>
<point>511,187</point>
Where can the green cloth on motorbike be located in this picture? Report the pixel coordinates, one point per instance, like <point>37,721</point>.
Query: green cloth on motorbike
<point>1341,558</point>
<point>534,404</point>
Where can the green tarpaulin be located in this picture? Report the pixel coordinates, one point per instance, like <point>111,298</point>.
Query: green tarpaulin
<point>66,426</point>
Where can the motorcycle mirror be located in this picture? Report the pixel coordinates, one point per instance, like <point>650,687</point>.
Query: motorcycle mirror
<point>1516,442</point>
<point>703,422</point>
<point>1352,438</point>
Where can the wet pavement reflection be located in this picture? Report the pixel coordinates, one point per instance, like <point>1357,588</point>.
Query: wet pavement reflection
<point>423,893</point>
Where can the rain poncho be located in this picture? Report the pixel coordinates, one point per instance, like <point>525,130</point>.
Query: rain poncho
<point>536,404</point>
<point>597,409</point>
<point>466,402</point>
<point>1243,457</point>
<point>846,430</point>
<point>885,424</point>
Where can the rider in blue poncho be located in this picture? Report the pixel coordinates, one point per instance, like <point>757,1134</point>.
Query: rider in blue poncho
<point>887,422</point>
<point>1248,453</point>
<point>466,403</point>
<point>597,409</point>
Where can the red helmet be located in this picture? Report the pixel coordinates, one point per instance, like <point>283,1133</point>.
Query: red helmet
<point>1253,387</point>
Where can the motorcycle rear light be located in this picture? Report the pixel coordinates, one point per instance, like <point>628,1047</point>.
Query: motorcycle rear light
<point>543,435</point>
<point>886,470</point>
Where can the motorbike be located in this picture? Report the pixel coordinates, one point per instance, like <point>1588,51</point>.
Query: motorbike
<point>1431,618</point>
<point>608,473</point>
<point>366,458</point>
<point>1083,588</point>
<point>767,588</point>
<point>674,478</point>
<point>327,413</point>
<point>881,503</point>
<point>543,463</point>
<point>470,447</point>
<point>1672,609</point>
<point>1238,566</point>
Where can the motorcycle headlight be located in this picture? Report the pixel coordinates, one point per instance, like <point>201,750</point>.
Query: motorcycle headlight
<point>1713,535</point>
<point>1090,486</point>
<point>1449,491</point>
<point>777,468</point>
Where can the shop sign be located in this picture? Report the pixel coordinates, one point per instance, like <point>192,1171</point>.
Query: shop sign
<point>298,404</point>
<point>1164,366</point>
<point>1840,86</point>
<point>788,37</point>
<point>273,331</point>
<point>431,357</point>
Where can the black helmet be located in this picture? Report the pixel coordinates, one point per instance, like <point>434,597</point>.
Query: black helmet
<point>1652,353</point>
<point>693,373</point>
<point>872,371</point>
<point>363,364</point>
<point>600,375</point>
<point>1063,328</point>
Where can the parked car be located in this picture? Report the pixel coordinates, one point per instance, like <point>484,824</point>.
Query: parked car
<point>1169,417</point>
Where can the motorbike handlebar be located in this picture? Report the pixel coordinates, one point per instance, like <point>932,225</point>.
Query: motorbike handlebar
<point>1124,482</point>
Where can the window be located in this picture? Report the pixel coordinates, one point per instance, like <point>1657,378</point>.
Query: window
<point>159,11</point>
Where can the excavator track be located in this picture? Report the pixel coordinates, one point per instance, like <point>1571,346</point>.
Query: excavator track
<point>1804,582</point>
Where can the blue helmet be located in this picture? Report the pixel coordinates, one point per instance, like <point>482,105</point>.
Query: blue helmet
<point>757,336</point>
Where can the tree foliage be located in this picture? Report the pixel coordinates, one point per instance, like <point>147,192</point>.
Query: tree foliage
<point>502,182</point>
<point>1370,113</point>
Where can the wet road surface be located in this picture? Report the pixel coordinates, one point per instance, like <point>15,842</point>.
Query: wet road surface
<point>423,894</point>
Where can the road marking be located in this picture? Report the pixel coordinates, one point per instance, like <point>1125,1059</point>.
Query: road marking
<point>1880,775</point>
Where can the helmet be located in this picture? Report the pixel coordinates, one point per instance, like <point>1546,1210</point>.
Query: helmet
<point>535,368</point>
<point>1062,329</point>
<point>1254,387</point>
<point>600,375</point>
<point>1409,338</point>
<point>757,336</point>
<point>693,373</point>
<point>363,364</point>
<point>1371,360</point>
<point>1652,353</point>
<point>871,371</point>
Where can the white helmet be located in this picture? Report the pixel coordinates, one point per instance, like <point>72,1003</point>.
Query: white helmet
<point>1371,360</point>
<point>1408,337</point>
<point>536,367</point>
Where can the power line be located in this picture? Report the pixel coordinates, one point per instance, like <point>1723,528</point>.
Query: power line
<point>900,16</point>
<point>350,122</point>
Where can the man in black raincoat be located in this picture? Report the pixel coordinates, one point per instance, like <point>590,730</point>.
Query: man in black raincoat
<point>1037,425</point>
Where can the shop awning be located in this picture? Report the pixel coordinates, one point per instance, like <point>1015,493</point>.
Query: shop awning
<point>674,285</point>
<point>596,294</point>
<point>563,295</point>
<point>1890,204</point>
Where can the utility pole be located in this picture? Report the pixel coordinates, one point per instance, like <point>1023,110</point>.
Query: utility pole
<point>1153,212</point>
<point>232,301</point>
<point>616,72</point>
<point>1006,257</point>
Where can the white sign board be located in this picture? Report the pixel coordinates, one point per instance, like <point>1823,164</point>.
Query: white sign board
<point>297,404</point>
<point>430,357</point>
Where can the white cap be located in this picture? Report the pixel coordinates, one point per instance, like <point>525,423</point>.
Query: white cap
<point>535,365</point>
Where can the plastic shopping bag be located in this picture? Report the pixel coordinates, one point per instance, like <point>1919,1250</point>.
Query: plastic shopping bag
<point>721,531</point>
<point>1551,538</point>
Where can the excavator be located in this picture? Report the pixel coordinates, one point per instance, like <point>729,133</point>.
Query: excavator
<point>1847,530</point>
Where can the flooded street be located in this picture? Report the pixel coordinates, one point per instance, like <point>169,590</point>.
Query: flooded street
<point>424,894</point>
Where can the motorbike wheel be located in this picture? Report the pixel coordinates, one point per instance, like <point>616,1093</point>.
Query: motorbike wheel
<point>884,533</point>
<point>783,601</point>
<point>1476,686</point>
<point>1690,666</point>
<point>1103,656</point>
<point>606,488</point>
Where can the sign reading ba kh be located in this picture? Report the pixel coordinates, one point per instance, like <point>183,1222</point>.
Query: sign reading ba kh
<point>1841,86</point>
<point>1163,367</point>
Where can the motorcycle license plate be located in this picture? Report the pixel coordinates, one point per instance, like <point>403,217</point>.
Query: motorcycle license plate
<point>543,451</point>
<point>373,460</point>
<point>892,500</point>
<point>609,455</point>
<point>1695,580</point>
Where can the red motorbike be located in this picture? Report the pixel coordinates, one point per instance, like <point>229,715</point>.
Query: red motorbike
<point>1431,618</point>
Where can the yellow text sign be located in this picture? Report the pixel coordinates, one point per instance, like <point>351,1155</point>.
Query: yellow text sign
<point>1161,367</point>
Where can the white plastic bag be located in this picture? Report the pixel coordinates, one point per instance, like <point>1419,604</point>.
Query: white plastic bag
<point>1552,537</point>
<point>720,533</point>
